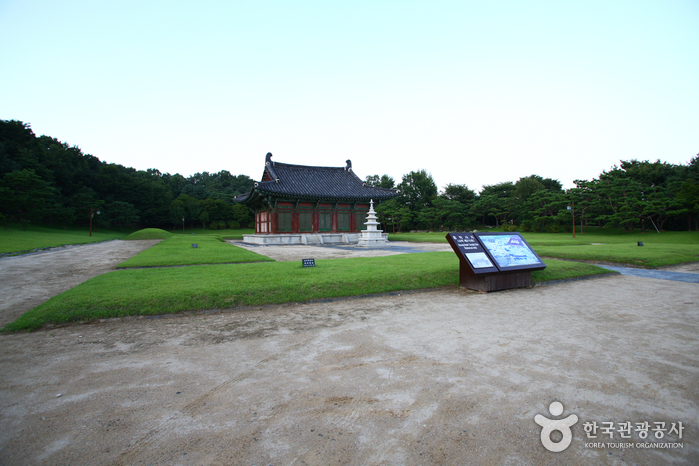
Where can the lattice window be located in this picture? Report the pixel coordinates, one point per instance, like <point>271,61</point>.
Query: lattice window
<point>324,220</point>
<point>284,216</point>
<point>305,219</point>
<point>343,220</point>
<point>360,218</point>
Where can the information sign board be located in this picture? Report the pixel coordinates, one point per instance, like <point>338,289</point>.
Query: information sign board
<point>494,261</point>
<point>470,250</point>
<point>510,251</point>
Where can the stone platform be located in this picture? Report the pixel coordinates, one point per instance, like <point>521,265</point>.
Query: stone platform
<point>304,238</point>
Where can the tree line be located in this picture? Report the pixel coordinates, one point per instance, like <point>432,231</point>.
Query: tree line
<point>634,194</point>
<point>44,180</point>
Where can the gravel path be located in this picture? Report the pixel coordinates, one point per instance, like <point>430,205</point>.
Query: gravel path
<point>28,280</point>
<point>442,377</point>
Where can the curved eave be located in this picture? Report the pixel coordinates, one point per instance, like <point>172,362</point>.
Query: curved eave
<point>306,197</point>
<point>258,195</point>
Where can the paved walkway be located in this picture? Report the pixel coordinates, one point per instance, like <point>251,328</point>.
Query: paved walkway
<point>659,274</point>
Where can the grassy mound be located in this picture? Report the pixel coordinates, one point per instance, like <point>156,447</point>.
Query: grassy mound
<point>149,233</point>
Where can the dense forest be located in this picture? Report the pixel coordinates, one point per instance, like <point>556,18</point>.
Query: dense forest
<point>43,180</point>
<point>655,195</point>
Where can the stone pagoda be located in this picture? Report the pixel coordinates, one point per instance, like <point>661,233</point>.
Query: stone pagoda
<point>372,237</point>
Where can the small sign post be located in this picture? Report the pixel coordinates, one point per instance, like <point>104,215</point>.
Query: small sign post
<point>308,262</point>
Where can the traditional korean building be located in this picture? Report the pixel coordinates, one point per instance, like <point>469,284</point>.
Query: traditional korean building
<point>299,204</point>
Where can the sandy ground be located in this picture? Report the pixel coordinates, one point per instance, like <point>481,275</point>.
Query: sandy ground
<point>441,377</point>
<point>692,267</point>
<point>29,280</point>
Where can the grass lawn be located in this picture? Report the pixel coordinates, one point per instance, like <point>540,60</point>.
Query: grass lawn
<point>616,245</point>
<point>650,255</point>
<point>169,290</point>
<point>178,250</point>
<point>436,237</point>
<point>15,239</point>
<point>225,234</point>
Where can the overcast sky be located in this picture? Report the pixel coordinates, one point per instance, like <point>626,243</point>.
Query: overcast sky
<point>475,92</point>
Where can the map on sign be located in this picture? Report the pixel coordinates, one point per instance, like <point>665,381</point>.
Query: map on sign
<point>509,250</point>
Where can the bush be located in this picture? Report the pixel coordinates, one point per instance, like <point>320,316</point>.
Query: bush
<point>213,225</point>
<point>233,224</point>
<point>508,227</point>
<point>525,226</point>
<point>553,228</point>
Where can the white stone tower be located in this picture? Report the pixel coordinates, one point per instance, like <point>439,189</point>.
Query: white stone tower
<point>371,237</point>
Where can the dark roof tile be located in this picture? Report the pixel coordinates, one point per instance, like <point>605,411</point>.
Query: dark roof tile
<point>302,181</point>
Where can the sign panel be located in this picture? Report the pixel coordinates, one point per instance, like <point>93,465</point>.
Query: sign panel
<point>469,249</point>
<point>308,262</point>
<point>510,251</point>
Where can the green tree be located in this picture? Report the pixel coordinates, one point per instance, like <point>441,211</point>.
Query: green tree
<point>418,189</point>
<point>395,213</point>
<point>122,213</point>
<point>688,199</point>
<point>383,181</point>
<point>25,196</point>
<point>460,193</point>
<point>495,201</point>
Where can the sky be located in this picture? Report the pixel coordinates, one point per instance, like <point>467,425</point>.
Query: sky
<point>474,92</point>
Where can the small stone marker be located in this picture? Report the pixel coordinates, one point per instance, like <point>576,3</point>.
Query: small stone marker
<point>195,245</point>
<point>308,262</point>
<point>640,243</point>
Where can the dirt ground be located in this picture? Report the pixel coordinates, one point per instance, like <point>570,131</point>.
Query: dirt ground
<point>29,280</point>
<point>440,377</point>
<point>296,253</point>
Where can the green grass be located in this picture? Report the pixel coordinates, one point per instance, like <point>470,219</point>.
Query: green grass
<point>15,239</point>
<point>650,255</point>
<point>149,233</point>
<point>617,246</point>
<point>225,234</point>
<point>436,237</point>
<point>168,290</point>
<point>178,250</point>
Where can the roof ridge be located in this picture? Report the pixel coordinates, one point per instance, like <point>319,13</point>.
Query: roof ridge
<point>277,164</point>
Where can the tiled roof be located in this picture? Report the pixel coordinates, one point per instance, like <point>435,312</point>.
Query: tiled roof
<point>309,182</point>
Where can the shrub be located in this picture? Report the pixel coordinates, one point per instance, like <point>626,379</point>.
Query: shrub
<point>233,224</point>
<point>508,227</point>
<point>553,228</point>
